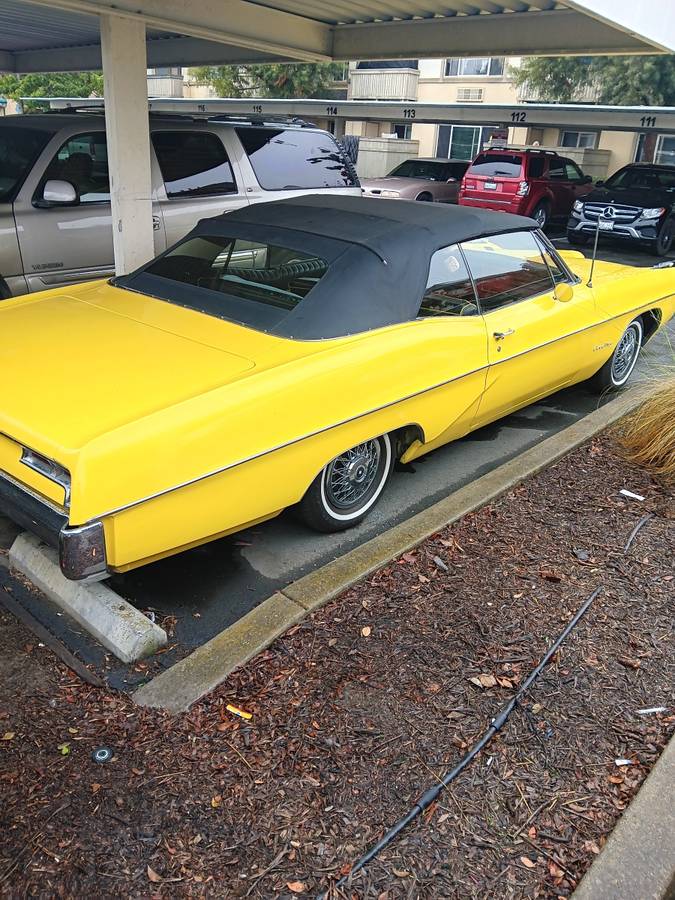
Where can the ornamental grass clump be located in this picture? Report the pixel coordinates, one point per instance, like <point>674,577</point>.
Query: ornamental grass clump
<point>647,436</point>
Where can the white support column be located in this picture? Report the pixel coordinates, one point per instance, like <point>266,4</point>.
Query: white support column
<point>126,114</point>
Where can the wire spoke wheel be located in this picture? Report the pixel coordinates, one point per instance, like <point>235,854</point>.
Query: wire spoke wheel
<point>626,353</point>
<point>348,486</point>
<point>349,477</point>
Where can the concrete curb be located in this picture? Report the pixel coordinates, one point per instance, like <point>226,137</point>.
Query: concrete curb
<point>193,677</point>
<point>119,626</point>
<point>638,860</point>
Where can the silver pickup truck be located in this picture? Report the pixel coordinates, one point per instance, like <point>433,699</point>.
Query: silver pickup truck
<point>55,221</point>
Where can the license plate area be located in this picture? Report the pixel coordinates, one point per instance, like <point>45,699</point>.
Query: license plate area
<point>605,226</point>
<point>490,185</point>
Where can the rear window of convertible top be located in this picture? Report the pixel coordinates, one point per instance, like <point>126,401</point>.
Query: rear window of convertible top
<point>253,283</point>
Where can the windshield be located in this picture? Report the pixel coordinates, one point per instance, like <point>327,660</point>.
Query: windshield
<point>506,165</point>
<point>642,178</point>
<point>429,171</point>
<point>249,282</point>
<point>19,148</point>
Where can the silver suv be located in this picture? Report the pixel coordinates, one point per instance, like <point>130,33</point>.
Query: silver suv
<point>55,221</point>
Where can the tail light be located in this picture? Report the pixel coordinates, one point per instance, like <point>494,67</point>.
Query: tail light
<point>523,189</point>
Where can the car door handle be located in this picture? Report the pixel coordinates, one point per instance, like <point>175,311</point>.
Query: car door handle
<point>156,224</point>
<point>500,335</point>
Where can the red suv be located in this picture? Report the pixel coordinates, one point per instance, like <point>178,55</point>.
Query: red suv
<point>535,183</point>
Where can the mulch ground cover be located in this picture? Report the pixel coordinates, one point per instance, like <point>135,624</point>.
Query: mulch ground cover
<point>362,707</point>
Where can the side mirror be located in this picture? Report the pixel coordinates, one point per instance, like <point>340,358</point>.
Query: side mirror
<point>599,183</point>
<point>58,193</point>
<point>587,179</point>
<point>564,292</point>
<point>451,180</point>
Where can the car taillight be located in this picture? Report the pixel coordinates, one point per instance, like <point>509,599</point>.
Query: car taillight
<point>523,189</point>
<point>469,185</point>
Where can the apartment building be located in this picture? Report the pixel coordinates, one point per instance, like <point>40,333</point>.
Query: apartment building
<point>488,80</point>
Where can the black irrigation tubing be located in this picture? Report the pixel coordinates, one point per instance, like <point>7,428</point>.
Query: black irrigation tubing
<point>428,797</point>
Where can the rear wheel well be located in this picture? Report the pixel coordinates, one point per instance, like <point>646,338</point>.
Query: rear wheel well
<point>403,438</point>
<point>650,323</point>
<point>424,195</point>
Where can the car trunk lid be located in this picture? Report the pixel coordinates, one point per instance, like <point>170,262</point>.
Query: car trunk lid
<point>73,370</point>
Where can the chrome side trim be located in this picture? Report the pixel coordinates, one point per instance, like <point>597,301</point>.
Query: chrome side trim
<point>304,437</point>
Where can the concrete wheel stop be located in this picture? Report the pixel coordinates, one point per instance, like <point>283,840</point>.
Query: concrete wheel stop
<point>116,624</point>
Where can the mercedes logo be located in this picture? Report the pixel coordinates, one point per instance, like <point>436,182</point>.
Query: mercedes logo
<point>609,212</point>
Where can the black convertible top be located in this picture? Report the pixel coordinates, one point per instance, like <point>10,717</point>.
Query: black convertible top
<point>378,253</point>
<point>386,227</point>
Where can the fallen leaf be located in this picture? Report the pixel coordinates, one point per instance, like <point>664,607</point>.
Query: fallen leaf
<point>628,662</point>
<point>616,779</point>
<point>526,861</point>
<point>332,642</point>
<point>400,873</point>
<point>555,871</point>
<point>505,682</point>
<point>484,680</point>
<point>73,730</point>
<point>365,631</point>
<point>591,847</point>
<point>154,877</point>
<point>64,748</point>
<point>298,887</point>
<point>216,801</point>
<point>8,735</point>
<point>95,788</point>
<point>550,575</point>
<point>537,707</point>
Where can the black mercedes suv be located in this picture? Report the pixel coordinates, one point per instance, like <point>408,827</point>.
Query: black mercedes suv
<point>636,204</point>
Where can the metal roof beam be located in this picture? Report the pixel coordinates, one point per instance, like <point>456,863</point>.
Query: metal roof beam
<point>7,62</point>
<point>170,51</point>
<point>508,34</point>
<point>237,24</point>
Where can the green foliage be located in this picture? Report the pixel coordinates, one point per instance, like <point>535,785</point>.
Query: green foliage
<point>621,80</point>
<point>52,84</point>
<point>280,80</point>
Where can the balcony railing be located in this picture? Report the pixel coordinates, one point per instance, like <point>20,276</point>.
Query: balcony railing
<point>383,84</point>
<point>589,93</point>
<point>165,85</point>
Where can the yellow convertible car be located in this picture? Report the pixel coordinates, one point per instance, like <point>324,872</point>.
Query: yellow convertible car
<point>285,355</point>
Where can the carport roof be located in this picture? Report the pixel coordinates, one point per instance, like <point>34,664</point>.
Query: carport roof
<point>59,35</point>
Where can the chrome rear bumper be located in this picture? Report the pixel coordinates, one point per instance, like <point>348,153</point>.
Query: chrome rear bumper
<point>82,553</point>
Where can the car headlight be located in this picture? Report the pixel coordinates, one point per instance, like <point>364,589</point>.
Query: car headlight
<point>48,468</point>
<point>390,194</point>
<point>578,206</point>
<point>654,213</point>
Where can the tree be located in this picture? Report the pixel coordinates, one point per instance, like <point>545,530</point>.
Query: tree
<point>280,80</point>
<point>52,84</point>
<point>620,80</point>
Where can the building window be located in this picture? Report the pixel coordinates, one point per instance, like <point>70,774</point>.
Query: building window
<point>461,141</point>
<point>665,150</point>
<point>578,139</point>
<point>403,132</point>
<point>473,66</point>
